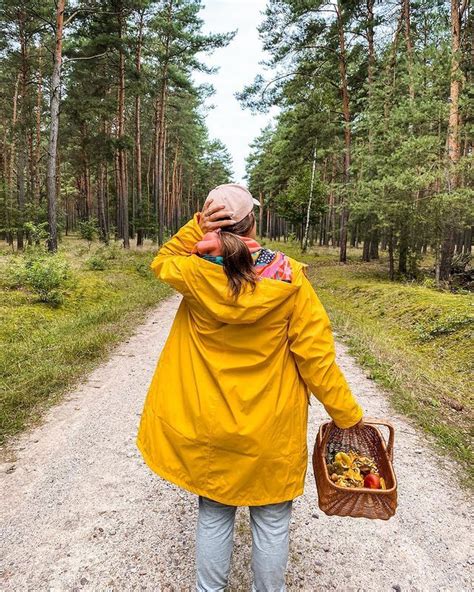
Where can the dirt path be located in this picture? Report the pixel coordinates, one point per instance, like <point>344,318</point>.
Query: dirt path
<point>81,511</point>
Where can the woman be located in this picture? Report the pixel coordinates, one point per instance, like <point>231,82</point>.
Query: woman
<point>226,412</point>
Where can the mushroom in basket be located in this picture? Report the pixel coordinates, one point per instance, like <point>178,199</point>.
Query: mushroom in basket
<point>352,469</point>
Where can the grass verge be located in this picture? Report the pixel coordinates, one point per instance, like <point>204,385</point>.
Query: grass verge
<point>45,350</point>
<point>412,339</point>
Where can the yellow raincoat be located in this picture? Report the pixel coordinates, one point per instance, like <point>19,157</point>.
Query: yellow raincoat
<point>226,411</point>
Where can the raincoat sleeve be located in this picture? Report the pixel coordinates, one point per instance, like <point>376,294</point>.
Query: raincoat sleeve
<point>174,254</point>
<point>312,344</point>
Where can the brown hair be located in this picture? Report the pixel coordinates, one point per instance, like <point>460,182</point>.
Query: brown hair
<point>238,262</point>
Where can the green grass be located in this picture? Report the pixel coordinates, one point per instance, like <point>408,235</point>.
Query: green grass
<point>414,340</point>
<point>46,350</point>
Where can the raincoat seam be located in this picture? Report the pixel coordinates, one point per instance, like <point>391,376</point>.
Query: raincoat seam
<point>210,446</point>
<point>173,428</point>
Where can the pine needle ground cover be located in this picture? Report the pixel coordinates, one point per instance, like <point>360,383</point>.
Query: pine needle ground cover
<point>414,340</point>
<point>47,347</point>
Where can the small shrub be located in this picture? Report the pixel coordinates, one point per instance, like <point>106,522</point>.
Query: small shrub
<point>52,297</point>
<point>429,283</point>
<point>96,263</point>
<point>36,232</point>
<point>46,275</point>
<point>143,269</point>
<point>109,252</point>
<point>88,230</point>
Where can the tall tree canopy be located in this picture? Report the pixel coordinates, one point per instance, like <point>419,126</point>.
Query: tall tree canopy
<point>100,118</point>
<point>381,95</point>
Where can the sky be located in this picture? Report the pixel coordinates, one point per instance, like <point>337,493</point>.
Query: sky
<point>238,64</point>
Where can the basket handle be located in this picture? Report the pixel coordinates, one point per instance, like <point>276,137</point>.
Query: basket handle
<point>323,434</point>
<point>391,430</point>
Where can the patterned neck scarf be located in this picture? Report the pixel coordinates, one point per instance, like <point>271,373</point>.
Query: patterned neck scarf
<point>268,264</point>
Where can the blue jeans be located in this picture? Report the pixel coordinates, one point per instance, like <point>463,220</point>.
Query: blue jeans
<point>214,542</point>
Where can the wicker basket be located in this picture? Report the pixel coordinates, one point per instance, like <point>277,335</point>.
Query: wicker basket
<point>350,501</point>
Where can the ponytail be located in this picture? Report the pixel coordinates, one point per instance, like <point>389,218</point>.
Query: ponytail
<point>238,262</point>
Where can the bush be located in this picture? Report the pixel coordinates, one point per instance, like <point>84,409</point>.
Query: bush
<point>143,269</point>
<point>46,275</point>
<point>36,232</point>
<point>88,230</point>
<point>109,252</point>
<point>428,283</point>
<point>96,263</point>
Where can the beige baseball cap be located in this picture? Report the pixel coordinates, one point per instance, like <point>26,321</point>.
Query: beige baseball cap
<point>236,198</point>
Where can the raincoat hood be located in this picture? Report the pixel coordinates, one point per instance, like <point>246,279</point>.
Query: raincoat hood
<point>207,282</point>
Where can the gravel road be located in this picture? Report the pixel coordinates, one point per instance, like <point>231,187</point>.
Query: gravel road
<point>81,511</point>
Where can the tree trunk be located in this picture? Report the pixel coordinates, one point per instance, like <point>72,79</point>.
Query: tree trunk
<point>446,254</point>
<point>468,235</point>
<point>160,156</point>
<point>121,157</point>
<point>54,129</point>
<point>409,45</point>
<point>11,165</point>
<point>160,138</point>
<point>138,146</point>
<point>332,208</point>
<point>453,143</point>
<point>403,247</point>
<point>390,70</point>
<point>104,235</point>
<point>366,247</point>
<point>374,243</point>
<point>22,127</point>
<point>310,200</point>
<point>370,42</point>
<point>347,134</point>
<point>21,194</point>
<point>37,154</point>
<point>391,263</point>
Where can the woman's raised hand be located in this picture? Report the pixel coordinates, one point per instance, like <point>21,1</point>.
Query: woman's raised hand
<point>214,217</point>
